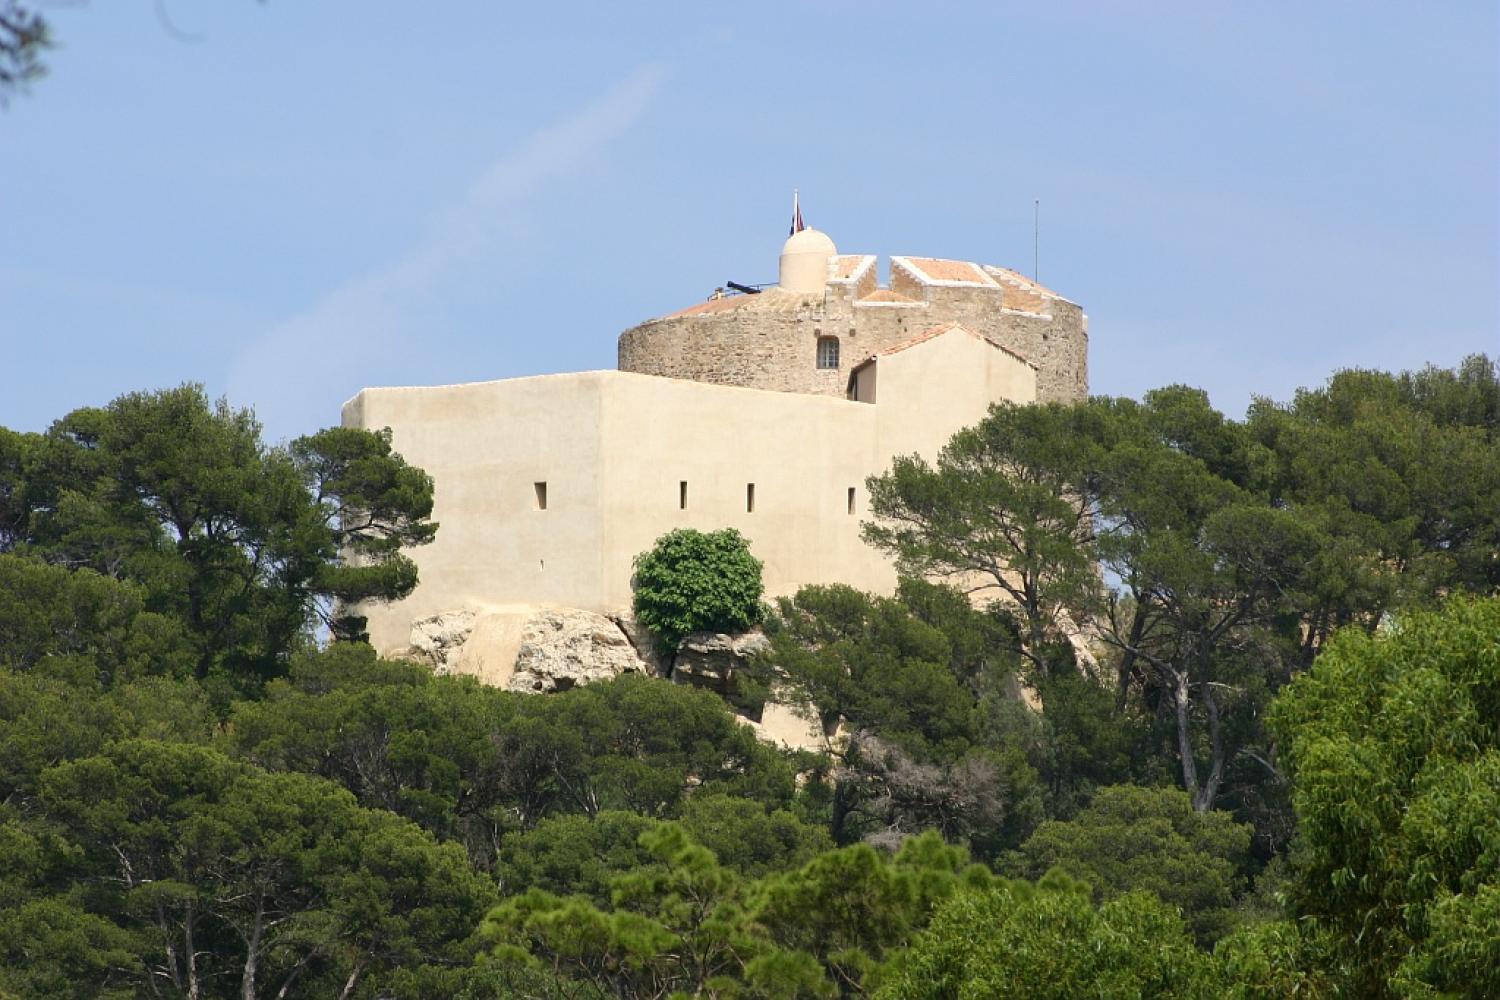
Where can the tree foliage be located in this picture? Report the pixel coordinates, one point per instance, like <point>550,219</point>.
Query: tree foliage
<point>694,581</point>
<point>1231,550</point>
<point>684,924</point>
<point>198,801</point>
<point>241,544</point>
<point>1394,744</point>
<point>23,35</point>
<point>906,695</point>
<point>1000,512</point>
<point>1131,838</point>
<point>1049,940</point>
<point>236,874</point>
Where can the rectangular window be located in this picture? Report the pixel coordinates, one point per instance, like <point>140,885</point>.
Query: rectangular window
<point>851,499</point>
<point>682,495</point>
<point>828,352</point>
<point>750,498</point>
<point>541,495</point>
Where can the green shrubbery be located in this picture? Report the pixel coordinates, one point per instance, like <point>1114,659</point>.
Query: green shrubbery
<point>692,581</point>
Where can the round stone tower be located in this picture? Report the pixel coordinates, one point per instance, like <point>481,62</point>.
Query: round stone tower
<point>827,313</point>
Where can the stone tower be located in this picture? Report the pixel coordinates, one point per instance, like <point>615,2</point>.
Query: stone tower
<point>827,313</point>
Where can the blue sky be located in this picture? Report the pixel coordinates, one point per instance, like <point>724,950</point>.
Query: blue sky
<point>290,201</point>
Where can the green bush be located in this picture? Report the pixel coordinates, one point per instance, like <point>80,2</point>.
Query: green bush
<point>1131,838</point>
<point>1049,940</point>
<point>695,582</point>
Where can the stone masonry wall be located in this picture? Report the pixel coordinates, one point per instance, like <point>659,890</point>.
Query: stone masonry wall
<point>769,341</point>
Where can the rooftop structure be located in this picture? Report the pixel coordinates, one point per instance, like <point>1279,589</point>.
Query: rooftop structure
<point>828,312</point>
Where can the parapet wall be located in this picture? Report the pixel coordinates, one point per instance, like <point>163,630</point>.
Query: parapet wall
<point>765,341</point>
<point>770,340</point>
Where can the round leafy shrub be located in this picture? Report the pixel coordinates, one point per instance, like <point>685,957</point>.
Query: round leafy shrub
<point>692,581</point>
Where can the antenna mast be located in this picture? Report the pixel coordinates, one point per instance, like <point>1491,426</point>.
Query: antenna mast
<point>1036,239</point>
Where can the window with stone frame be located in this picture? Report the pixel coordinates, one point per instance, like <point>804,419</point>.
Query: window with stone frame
<point>828,352</point>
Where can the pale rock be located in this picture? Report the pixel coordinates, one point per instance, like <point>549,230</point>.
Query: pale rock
<point>438,640</point>
<point>564,647</point>
<point>490,654</point>
<point>790,726</point>
<point>643,641</point>
<point>711,659</point>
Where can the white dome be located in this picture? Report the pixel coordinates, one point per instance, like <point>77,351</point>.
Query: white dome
<point>809,241</point>
<point>804,261</point>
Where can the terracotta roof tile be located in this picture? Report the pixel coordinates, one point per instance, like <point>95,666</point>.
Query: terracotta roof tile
<point>845,265</point>
<point>950,270</point>
<point>1019,278</point>
<point>768,300</point>
<point>711,306</point>
<point>1020,292</point>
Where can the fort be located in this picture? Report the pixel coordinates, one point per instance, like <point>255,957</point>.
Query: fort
<point>764,411</point>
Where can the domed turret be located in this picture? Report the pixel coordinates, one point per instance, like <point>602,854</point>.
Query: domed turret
<point>804,261</point>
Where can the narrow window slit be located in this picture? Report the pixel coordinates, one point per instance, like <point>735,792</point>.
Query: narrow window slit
<point>750,498</point>
<point>851,499</point>
<point>682,495</point>
<point>541,495</point>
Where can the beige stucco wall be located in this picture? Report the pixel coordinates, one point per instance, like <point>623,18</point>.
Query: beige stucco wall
<point>485,444</point>
<point>932,390</point>
<point>613,448</point>
<point>801,452</point>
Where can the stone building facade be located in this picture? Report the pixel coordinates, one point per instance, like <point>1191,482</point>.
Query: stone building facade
<point>763,412</point>
<point>773,339</point>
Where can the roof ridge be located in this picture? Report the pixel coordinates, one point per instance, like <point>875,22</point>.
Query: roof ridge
<point>938,331</point>
<point>926,334</point>
<point>1013,276</point>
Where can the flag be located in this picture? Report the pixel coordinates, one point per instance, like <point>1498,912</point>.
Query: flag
<point>797,225</point>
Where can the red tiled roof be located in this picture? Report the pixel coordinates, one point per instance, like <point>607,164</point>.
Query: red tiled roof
<point>1020,292</point>
<point>949,270</point>
<point>845,265</point>
<point>711,306</point>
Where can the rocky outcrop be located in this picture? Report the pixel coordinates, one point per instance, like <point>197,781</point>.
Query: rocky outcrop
<point>790,726</point>
<point>658,664</point>
<point>438,640</point>
<point>711,659</point>
<point>490,653</point>
<point>525,649</point>
<point>565,647</point>
<point>539,650</point>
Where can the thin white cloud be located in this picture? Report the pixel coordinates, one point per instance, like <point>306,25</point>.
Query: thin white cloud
<point>287,373</point>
